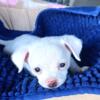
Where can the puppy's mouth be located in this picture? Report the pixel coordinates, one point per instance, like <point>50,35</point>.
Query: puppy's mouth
<point>54,86</point>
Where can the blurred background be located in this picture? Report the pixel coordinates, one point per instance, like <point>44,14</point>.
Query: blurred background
<point>10,9</point>
<point>77,2</point>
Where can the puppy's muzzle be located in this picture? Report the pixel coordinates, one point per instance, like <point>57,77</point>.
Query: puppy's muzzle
<point>52,83</point>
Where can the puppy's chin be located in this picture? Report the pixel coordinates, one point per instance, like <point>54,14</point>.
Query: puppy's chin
<point>51,88</point>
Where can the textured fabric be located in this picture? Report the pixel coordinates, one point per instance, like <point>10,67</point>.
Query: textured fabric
<point>57,22</point>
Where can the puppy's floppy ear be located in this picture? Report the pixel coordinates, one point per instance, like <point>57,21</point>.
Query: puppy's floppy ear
<point>19,57</point>
<point>73,44</point>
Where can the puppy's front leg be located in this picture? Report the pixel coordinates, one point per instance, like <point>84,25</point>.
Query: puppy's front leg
<point>74,67</point>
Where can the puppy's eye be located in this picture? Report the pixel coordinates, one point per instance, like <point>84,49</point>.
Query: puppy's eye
<point>62,65</point>
<point>37,69</point>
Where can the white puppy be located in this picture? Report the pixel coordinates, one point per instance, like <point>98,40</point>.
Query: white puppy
<point>47,58</point>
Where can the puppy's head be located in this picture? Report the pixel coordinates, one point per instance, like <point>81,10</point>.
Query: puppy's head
<point>48,60</point>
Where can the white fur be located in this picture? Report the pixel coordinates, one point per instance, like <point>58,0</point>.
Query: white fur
<point>46,53</point>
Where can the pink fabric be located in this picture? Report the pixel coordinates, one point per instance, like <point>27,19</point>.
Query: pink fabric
<point>14,2</point>
<point>9,2</point>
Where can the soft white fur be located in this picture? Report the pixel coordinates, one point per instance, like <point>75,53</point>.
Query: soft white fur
<point>46,53</point>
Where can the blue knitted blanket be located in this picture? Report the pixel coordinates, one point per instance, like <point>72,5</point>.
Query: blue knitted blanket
<point>83,22</point>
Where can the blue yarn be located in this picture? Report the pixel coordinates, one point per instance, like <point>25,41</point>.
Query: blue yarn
<point>79,21</point>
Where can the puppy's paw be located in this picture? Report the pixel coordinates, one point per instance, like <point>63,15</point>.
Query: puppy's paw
<point>84,68</point>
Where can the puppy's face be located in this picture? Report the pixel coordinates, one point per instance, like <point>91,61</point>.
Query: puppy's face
<point>49,63</point>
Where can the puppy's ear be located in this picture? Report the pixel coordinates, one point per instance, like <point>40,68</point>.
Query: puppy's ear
<point>73,44</point>
<point>19,57</point>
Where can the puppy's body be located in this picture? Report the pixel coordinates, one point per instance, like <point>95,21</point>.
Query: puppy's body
<point>47,58</point>
<point>13,45</point>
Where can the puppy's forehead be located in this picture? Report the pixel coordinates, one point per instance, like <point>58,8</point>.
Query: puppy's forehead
<point>46,51</point>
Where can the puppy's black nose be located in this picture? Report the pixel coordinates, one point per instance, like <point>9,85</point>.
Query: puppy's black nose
<point>52,84</point>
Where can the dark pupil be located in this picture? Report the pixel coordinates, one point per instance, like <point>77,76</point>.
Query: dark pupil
<point>62,65</point>
<point>37,69</point>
